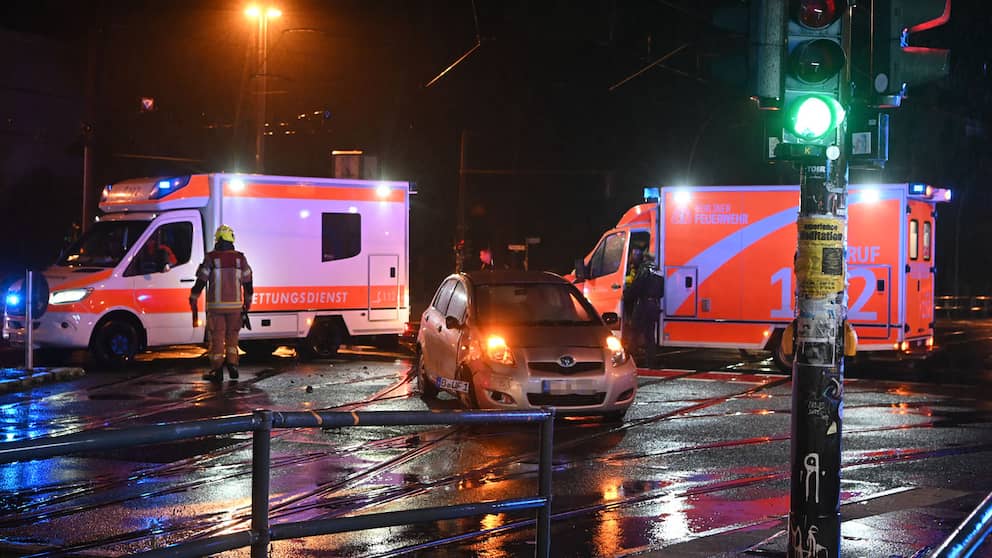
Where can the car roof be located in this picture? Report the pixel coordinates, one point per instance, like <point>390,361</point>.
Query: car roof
<point>513,276</point>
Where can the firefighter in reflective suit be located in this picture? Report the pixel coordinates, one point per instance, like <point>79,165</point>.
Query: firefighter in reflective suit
<point>644,296</point>
<point>226,275</point>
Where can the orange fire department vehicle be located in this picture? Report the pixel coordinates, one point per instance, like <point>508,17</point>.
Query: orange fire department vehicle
<point>727,253</point>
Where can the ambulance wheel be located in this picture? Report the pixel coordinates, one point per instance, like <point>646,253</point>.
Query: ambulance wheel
<point>115,343</point>
<point>468,400</point>
<point>323,341</point>
<point>783,360</point>
<point>428,389</point>
<point>257,349</point>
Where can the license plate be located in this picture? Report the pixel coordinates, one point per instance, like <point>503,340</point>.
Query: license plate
<point>566,386</point>
<point>456,385</point>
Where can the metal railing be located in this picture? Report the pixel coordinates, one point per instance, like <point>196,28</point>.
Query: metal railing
<point>970,534</point>
<point>963,307</point>
<point>260,423</point>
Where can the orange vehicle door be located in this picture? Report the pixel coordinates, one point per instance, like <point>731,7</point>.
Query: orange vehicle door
<point>605,273</point>
<point>680,286</point>
<point>919,277</point>
<point>870,300</point>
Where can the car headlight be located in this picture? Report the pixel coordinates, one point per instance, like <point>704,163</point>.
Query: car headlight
<point>618,354</point>
<point>497,351</point>
<point>68,296</point>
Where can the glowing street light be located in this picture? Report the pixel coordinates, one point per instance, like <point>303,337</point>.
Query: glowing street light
<point>262,15</point>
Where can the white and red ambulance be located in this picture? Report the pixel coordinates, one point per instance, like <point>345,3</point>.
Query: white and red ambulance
<point>727,256</point>
<point>329,256</point>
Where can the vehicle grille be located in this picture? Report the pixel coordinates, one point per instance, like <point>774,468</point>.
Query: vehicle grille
<point>566,400</point>
<point>559,369</point>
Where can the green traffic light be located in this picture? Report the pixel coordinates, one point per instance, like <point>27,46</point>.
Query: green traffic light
<point>814,116</point>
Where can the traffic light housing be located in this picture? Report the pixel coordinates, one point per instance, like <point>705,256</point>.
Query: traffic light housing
<point>895,64</point>
<point>815,61</point>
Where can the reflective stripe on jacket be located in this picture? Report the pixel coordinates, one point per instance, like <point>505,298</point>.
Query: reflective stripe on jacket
<point>224,272</point>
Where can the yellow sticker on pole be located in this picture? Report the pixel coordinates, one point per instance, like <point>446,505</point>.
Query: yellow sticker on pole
<point>820,259</point>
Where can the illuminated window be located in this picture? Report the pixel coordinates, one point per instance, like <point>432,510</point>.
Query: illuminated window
<point>926,241</point>
<point>341,236</point>
<point>606,259</point>
<point>167,247</point>
<point>914,239</point>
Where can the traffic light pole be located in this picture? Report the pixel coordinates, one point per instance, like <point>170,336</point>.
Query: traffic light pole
<point>818,370</point>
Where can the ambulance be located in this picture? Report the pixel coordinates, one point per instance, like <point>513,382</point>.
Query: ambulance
<point>329,259</point>
<point>727,253</point>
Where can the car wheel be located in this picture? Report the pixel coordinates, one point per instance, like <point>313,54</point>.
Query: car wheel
<point>428,389</point>
<point>614,416</point>
<point>323,341</point>
<point>468,400</point>
<point>115,343</point>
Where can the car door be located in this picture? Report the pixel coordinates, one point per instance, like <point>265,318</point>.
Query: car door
<point>450,338</point>
<point>162,271</point>
<point>432,324</point>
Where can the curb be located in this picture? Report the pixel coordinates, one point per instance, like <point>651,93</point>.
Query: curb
<point>16,379</point>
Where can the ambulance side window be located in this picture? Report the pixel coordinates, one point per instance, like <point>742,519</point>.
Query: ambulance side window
<point>341,236</point>
<point>914,239</point>
<point>168,246</point>
<point>606,259</point>
<point>926,241</point>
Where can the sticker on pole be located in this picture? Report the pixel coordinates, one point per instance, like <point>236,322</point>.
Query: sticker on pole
<point>820,261</point>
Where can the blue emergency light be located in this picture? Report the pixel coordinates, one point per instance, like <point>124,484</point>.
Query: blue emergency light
<point>652,193</point>
<point>917,188</point>
<point>167,186</point>
<point>13,299</point>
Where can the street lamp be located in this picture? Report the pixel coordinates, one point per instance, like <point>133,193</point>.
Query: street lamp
<point>262,15</point>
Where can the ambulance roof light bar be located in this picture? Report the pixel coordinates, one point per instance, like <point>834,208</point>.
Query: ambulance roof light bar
<point>652,194</point>
<point>919,189</point>
<point>166,186</point>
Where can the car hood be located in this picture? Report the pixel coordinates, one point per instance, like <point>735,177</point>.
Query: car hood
<point>544,336</point>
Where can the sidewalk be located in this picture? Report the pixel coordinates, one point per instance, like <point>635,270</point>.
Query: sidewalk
<point>15,377</point>
<point>909,523</point>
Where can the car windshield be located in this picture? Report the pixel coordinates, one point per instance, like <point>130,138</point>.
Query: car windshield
<point>104,244</point>
<point>532,304</point>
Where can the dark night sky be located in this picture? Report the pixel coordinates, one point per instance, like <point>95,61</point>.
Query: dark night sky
<point>535,99</point>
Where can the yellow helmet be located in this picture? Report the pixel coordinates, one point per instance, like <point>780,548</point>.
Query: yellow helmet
<point>224,232</point>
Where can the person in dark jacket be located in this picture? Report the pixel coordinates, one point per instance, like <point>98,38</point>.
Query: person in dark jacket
<point>643,297</point>
<point>227,277</point>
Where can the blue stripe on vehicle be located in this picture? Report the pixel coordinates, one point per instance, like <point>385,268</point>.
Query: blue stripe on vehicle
<point>715,256</point>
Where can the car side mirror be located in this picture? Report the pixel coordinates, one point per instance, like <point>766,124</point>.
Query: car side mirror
<point>611,318</point>
<point>581,273</point>
<point>452,322</point>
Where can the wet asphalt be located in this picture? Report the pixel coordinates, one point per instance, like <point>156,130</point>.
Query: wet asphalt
<point>699,467</point>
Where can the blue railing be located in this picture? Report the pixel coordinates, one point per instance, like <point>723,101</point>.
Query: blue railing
<point>261,423</point>
<point>970,534</point>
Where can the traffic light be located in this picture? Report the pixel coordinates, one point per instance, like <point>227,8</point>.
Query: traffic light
<point>814,64</point>
<point>896,65</point>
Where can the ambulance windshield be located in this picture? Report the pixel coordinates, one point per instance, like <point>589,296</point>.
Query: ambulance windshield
<point>104,244</point>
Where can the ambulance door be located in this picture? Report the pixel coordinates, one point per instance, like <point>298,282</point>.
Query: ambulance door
<point>605,278</point>
<point>870,300</point>
<point>681,291</point>
<point>919,270</point>
<point>384,284</point>
<point>162,271</point>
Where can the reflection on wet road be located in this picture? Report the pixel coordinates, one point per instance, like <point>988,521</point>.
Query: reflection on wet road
<point>702,456</point>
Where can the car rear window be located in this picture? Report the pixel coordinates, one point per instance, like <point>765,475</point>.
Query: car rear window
<point>537,304</point>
